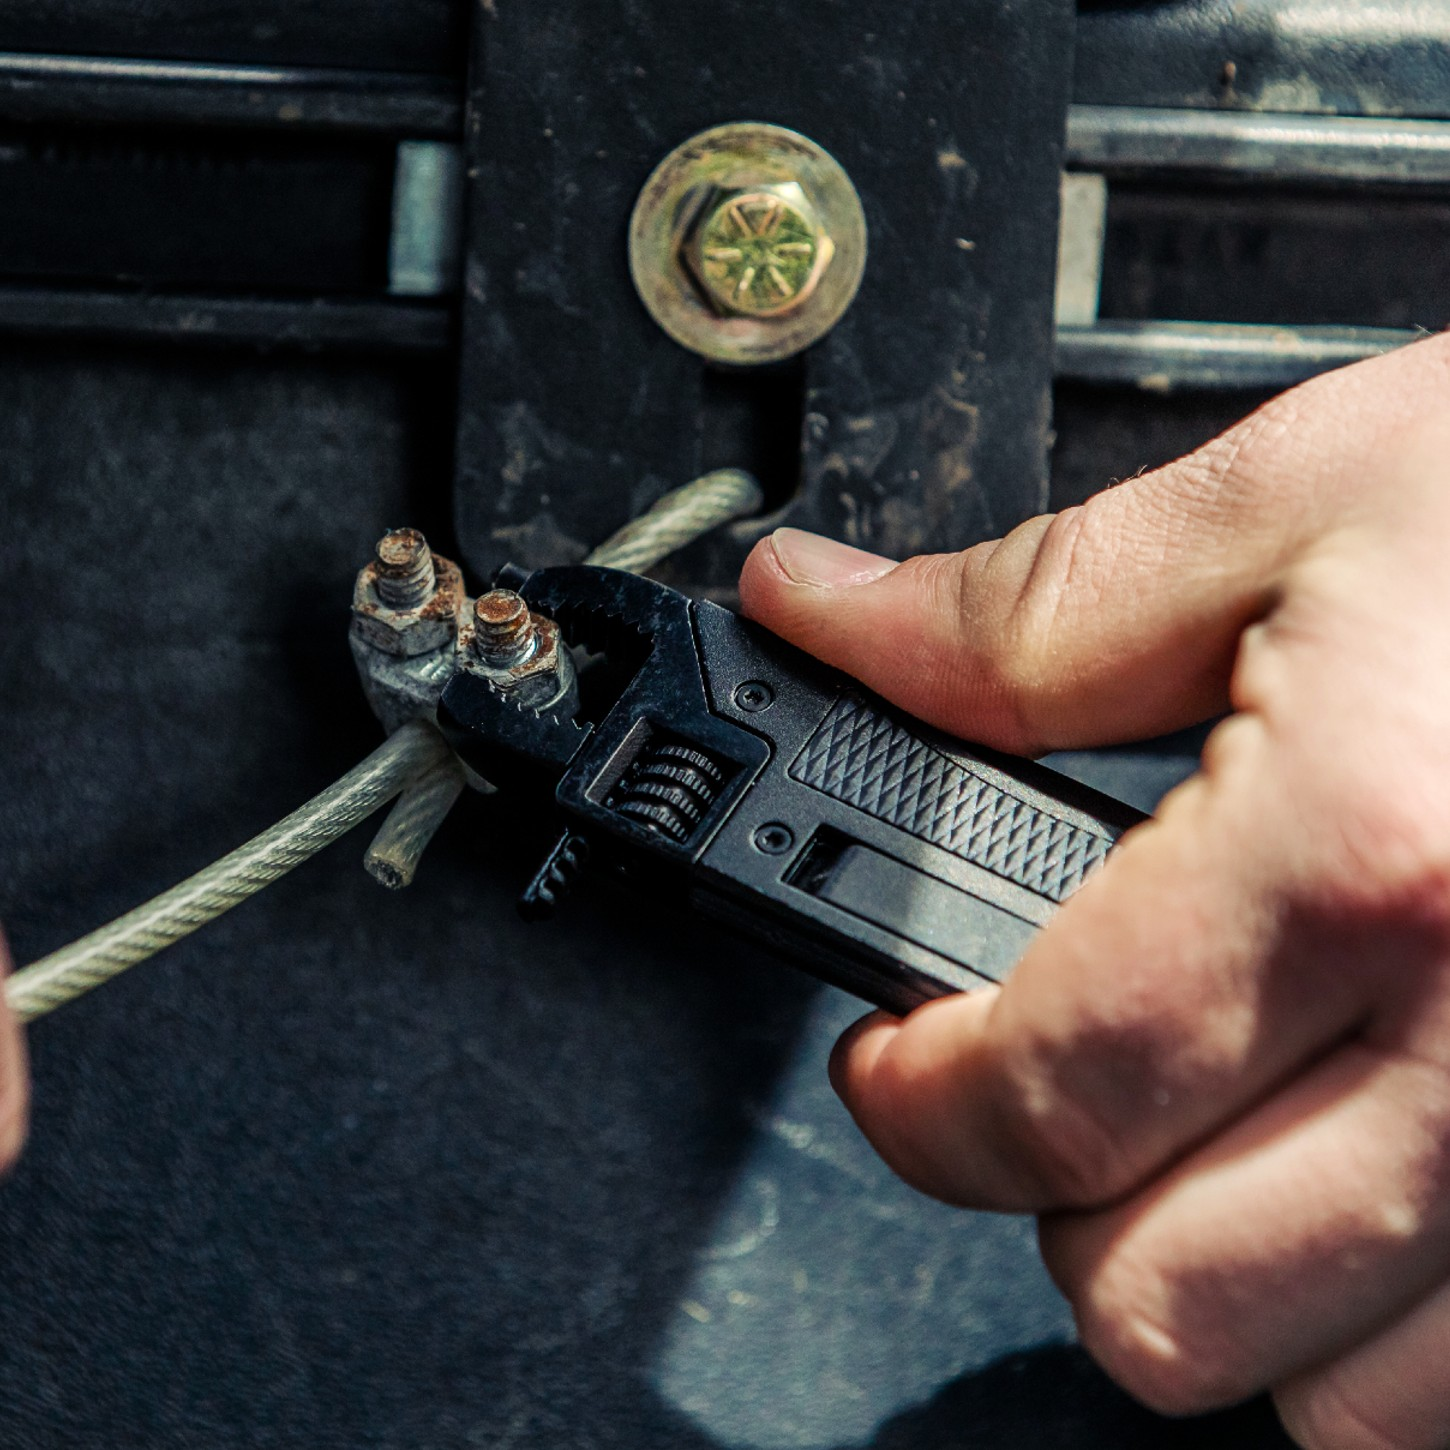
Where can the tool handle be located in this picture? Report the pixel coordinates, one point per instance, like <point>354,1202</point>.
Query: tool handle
<point>903,864</point>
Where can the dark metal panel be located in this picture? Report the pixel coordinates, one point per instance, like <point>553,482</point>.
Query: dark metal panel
<point>216,211</point>
<point>925,414</point>
<point>1231,254</point>
<point>1327,56</point>
<point>312,324</point>
<point>1288,148</point>
<point>96,89</point>
<point>401,35</point>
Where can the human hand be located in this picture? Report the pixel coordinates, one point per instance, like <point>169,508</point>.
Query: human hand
<point>14,1079</point>
<point>1222,1074</point>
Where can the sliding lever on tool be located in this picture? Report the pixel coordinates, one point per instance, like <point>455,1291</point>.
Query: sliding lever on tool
<point>784,798</point>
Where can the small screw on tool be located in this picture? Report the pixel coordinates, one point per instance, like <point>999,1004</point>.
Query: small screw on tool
<point>753,696</point>
<point>405,576</point>
<point>773,839</point>
<point>503,629</point>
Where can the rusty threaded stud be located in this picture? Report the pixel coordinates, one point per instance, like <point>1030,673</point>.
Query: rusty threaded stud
<point>404,569</point>
<point>503,629</point>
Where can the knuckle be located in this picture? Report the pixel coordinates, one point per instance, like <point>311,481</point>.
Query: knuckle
<point>1170,1372</point>
<point>1390,853</point>
<point>1013,596</point>
<point>1070,1158</point>
<point>1320,1415</point>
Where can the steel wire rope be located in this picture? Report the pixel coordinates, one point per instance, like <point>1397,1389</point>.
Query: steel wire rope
<point>413,762</point>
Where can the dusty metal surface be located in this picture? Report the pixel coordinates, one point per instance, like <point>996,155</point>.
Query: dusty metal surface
<point>919,422</point>
<point>1160,357</point>
<point>1330,57</point>
<point>1282,148</point>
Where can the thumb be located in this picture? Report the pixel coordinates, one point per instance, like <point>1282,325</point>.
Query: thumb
<point>1119,619</point>
<point>1115,620</point>
<point>1062,634</point>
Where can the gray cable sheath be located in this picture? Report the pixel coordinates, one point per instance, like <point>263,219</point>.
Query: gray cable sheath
<point>108,951</point>
<point>679,518</point>
<point>414,761</point>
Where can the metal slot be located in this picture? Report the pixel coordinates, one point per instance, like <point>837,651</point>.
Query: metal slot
<point>1247,144</point>
<point>71,88</point>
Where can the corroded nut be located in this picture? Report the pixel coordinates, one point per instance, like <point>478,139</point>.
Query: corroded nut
<point>758,251</point>
<point>541,678</point>
<point>406,632</point>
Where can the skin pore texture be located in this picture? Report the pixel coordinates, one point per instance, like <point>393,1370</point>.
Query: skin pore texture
<point>1221,1076</point>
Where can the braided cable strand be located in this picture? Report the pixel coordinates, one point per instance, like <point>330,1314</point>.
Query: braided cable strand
<point>401,840</point>
<point>679,518</point>
<point>414,762</point>
<point>64,975</point>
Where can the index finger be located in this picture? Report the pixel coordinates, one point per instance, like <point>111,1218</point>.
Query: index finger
<point>1165,999</point>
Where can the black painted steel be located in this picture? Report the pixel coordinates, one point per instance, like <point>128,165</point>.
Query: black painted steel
<point>215,212</point>
<point>920,423</point>
<point>103,89</point>
<point>422,36</point>
<point>311,324</point>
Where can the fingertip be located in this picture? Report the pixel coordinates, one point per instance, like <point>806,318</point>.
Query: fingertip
<point>761,580</point>
<point>794,569</point>
<point>14,1076</point>
<point>903,1081</point>
<point>857,1050</point>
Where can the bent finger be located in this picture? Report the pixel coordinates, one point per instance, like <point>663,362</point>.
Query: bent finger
<point>1297,1233</point>
<point>1390,1393</point>
<point>1166,998</point>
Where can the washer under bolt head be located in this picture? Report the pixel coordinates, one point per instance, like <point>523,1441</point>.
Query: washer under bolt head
<point>503,629</point>
<point>747,243</point>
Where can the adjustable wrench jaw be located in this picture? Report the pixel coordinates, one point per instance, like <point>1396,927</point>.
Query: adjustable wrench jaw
<point>717,762</point>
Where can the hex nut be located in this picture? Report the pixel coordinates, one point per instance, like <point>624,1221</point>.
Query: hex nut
<point>757,251</point>
<point>544,677</point>
<point>408,632</point>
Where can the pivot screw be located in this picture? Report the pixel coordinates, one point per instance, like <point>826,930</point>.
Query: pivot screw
<point>759,252</point>
<point>503,629</point>
<point>773,839</point>
<point>753,695</point>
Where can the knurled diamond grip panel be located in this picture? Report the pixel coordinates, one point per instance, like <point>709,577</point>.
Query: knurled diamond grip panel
<point>867,760</point>
<point>920,423</point>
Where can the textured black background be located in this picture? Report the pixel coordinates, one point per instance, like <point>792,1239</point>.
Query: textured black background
<point>351,1169</point>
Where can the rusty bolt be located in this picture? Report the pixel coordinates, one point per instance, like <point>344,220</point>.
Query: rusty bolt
<point>407,600</point>
<point>503,629</point>
<point>758,251</point>
<point>405,575</point>
<point>519,653</point>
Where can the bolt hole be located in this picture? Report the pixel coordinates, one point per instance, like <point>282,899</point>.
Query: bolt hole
<point>754,420</point>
